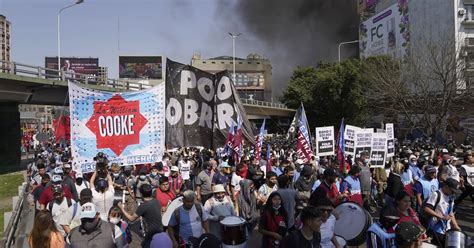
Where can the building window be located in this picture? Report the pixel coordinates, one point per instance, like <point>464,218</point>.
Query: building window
<point>470,12</point>
<point>202,62</point>
<point>213,62</point>
<point>240,63</point>
<point>258,63</point>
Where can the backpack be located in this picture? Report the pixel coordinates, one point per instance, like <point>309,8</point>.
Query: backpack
<point>137,181</point>
<point>424,218</point>
<point>177,218</point>
<point>69,203</point>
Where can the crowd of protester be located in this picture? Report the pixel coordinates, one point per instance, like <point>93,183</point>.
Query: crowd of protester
<point>289,202</point>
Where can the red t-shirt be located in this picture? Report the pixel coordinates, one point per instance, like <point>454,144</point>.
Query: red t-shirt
<point>48,195</point>
<point>411,217</point>
<point>164,197</point>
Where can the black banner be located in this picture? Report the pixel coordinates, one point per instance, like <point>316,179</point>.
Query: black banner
<point>190,96</point>
<point>228,108</point>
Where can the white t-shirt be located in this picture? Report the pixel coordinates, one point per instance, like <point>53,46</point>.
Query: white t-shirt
<point>235,181</point>
<point>453,172</point>
<point>327,232</point>
<point>79,188</point>
<point>63,214</point>
<point>265,190</point>
<point>443,205</point>
<point>184,169</point>
<point>103,202</point>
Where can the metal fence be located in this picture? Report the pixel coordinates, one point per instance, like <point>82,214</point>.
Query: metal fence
<point>15,68</point>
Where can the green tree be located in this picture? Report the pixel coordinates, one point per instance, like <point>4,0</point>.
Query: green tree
<point>329,92</point>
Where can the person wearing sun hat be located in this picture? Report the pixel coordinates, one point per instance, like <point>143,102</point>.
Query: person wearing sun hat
<point>218,207</point>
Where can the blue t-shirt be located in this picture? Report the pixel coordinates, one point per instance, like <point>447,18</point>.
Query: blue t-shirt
<point>190,223</point>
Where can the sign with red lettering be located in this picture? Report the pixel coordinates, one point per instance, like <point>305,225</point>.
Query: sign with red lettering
<point>128,127</point>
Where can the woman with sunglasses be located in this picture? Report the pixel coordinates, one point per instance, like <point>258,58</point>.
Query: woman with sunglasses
<point>328,240</point>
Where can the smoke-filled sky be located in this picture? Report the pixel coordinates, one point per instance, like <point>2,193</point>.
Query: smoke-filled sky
<point>289,32</point>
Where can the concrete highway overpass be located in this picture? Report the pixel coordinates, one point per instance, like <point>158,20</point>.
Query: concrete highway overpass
<point>25,84</point>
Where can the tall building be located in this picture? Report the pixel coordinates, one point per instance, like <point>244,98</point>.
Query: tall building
<point>5,26</point>
<point>407,27</point>
<point>253,78</point>
<point>103,75</point>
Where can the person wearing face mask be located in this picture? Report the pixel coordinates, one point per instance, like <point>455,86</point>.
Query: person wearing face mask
<point>138,181</point>
<point>217,208</point>
<point>416,172</point>
<point>290,172</point>
<point>440,209</point>
<point>273,224</point>
<point>155,175</point>
<point>81,183</point>
<point>34,196</point>
<point>48,195</point>
<point>305,182</point>
<point>266,189</point>
<point>176,181</point>
<point>69,179</point>
<point>119,182</point>
<point>94,232</point>
<point>115,217</point>
<point>102,194</point>
<point>365,179</point>
<point>247,201</point>
<point>381,233</point>
<point>63,210</point>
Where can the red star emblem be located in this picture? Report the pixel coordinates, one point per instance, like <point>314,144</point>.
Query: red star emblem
<point>116,123</point>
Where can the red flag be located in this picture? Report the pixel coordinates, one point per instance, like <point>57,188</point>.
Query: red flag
<point>62,128</point>
<point>237,146</point>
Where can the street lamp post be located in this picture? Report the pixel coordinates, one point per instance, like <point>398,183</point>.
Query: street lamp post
<point>233,36</point>
<point>59,31</point>
<point>344,43</point>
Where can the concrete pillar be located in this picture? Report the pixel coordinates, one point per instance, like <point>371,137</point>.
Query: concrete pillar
<point>10,141</point>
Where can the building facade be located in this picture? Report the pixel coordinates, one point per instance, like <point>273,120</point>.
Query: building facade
<point>103,75</point>
<point>253,78</point>
<point>5,27</point>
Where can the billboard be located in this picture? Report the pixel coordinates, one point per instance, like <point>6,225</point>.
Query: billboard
<point>71,65</point>
<point>140,67</point>
<point>386,33</point>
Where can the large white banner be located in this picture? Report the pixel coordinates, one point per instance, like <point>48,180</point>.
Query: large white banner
<point>390,139</point>
<point>363,141</point>
<point>379,150</point>
<point>349,140</point>
<point>325,141</point>
<point>386,33</point>
<point>128,127</point>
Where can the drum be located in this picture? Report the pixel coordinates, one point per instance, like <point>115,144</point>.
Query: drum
<point>428,245</point>
<point>234,232</point>
<point>342,242</point>
<point>176,203</point>
<point>455,239</point>
<point>352,224</point>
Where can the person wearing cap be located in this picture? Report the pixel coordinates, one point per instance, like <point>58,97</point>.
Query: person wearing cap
<point>94,232</point>
<point>450,168</point>
<point>306,181</point>
<point>218,207</point>
<point>154,174</point>
<point>222,176</point>
<point>203,182</point>
<point>351,185</point>
<point>175,180</point>
<point>467,178</point>
<point>409,235</point>
<point>185,165</point>
<point>426,185</point>
<point>80,183</point>
<point>163,193</point>
<point>69,180</point>
<point>37,176</point>
<point>328,189</point>
<point>416,172</point>
<point>48,195</point>
<point>34,196</point>
<point>299,165</point>
<point>150,211</point>
<point>381,233</point>
<point>63,210</point>
<point>102,194</point>
<point>440,208</point>
<point>138,181</point>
